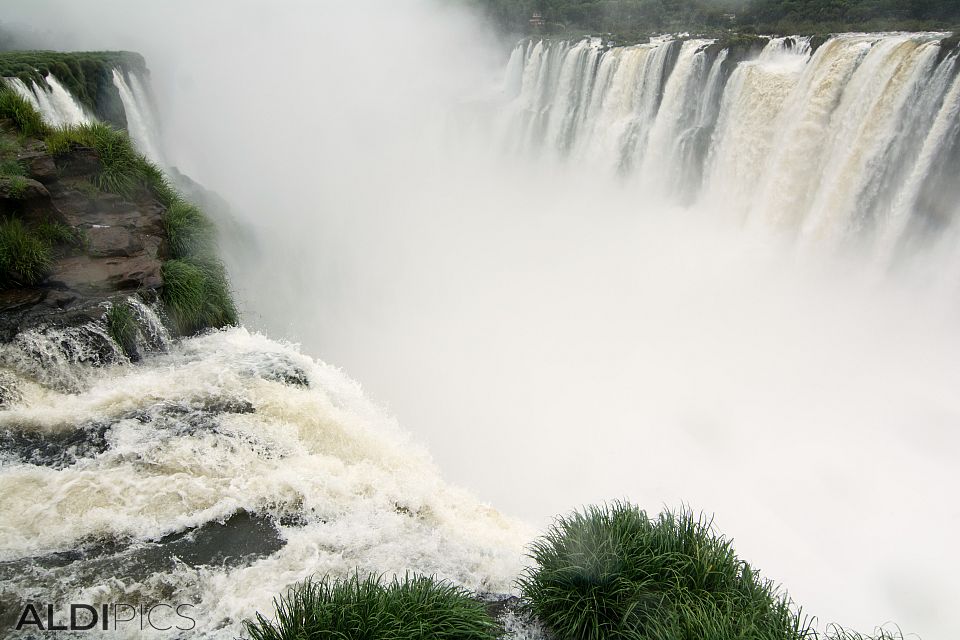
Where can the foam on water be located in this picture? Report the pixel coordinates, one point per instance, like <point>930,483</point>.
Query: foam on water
<point>361,494</point>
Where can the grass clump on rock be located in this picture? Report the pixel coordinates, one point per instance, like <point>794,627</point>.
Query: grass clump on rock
<point>20,112</point>
<point>123,170</point>
<point>25,257</point>
<point>197,295</point>
<point>415,608</point>
<point>612,572</point>
<point>195,287</point>
<point>122,327</point>
<point>189,232</point>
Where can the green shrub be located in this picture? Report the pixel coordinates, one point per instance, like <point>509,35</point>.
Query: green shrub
<point>197,295</point>
<point>123,170</point>
<point>54,233</point>
<point>24,257</point>
<point>122,327</point>
<point>417,608</point>
<point>24,116</point>
<point>11,167</point>
<point>189,232</point>
<point>16,187</point>
<point>121,166</point>
<point>612,572</point>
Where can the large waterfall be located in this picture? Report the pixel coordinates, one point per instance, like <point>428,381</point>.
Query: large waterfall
<point>837,142</point>
<point>615,309</point>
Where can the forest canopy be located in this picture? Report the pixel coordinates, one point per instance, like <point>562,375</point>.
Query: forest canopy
<point>760,16</point>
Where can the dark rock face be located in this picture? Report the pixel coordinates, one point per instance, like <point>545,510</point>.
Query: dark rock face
<point>237,541</point>
<point>121,248</point>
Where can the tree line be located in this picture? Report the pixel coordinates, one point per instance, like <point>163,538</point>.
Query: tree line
<point>759,16</point>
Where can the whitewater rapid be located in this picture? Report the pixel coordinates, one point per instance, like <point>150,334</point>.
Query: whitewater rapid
<point>225,424</point>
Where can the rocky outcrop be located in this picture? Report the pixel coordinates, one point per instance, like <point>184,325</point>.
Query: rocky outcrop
<point>119,249</point>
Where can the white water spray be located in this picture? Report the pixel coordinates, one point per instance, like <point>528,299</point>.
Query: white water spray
<point>141,122</point>
<point>57,105</point>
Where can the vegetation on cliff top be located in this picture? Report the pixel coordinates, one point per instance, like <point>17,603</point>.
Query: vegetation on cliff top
<point>87,75</point>
<point>632,18</point>
<point>415,608</point>
<point>195,291</point>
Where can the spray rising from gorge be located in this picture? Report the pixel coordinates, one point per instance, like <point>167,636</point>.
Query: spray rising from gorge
<point>676,272</point>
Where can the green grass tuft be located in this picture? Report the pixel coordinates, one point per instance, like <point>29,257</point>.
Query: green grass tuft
<point>197,295</point>
<point>123,170</point>
<point>11,168</point>
<point>54,233</point>
<point>612,572</point>
<point>24,116</point>
<point>122,326</point>
<point>16,187</point>
<point>24,257</point>
<point>189,232</point>
<point>364,609</point>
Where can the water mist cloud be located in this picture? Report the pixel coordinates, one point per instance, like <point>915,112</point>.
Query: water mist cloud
<point>555,337</point>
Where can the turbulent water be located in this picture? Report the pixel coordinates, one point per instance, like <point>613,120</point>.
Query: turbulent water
<point>97,475</point>
<point>599,348</point>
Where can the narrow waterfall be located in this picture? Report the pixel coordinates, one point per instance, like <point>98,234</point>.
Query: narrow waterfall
<point>57,106</point>
<point>141,122</point>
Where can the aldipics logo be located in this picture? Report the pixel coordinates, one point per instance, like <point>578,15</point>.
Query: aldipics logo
<point>160,616</point>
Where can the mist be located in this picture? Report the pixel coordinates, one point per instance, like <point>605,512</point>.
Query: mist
<point>557,336</point>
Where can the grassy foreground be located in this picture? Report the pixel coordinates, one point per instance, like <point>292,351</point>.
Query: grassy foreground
<point>414,608</point>
<point>609,572</point>
<point>612,572</point>
<point>195,290</point>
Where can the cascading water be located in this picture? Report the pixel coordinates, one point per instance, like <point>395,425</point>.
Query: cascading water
<point>309,476</point>
<point>141,121</point>
<point>819,143</point>
<point>57,105</point>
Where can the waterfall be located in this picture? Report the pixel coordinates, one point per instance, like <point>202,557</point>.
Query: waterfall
<point>57,105</point>
<point>141,122</point>
<point>829,145</point>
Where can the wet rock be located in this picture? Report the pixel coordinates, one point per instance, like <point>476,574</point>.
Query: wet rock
<point>120,253</point>
<point>20,188</point>
<point>237,541</point>
<point>110,242</point>
<point>57,450</point>
<point>40,166</point>
<point>79,161</point>
<point>87,273</point>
